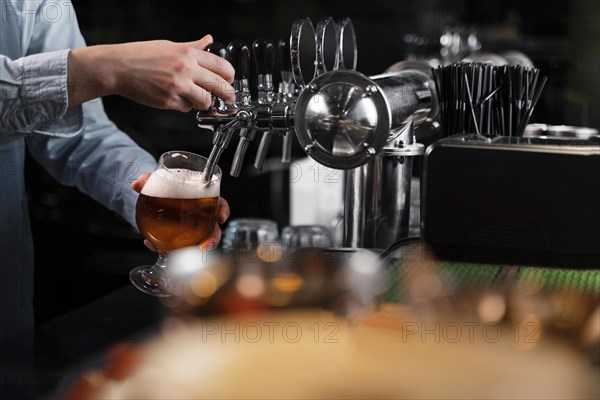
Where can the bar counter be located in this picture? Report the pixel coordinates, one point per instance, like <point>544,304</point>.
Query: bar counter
<point>46,364</point>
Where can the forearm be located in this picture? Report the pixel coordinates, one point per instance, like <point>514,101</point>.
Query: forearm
<point>91,74</point>
<point>158,73</point>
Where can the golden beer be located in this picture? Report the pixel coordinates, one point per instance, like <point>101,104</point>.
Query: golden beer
<point>177,209</point>
<point>171,224</point>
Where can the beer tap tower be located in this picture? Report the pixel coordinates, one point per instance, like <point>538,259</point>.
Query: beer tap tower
<point>342,119</point>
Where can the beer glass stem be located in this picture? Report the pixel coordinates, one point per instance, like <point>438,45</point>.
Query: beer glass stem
<point>158,269</point>
<point>152,279</point>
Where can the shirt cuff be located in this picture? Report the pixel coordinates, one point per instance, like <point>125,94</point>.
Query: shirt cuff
<point>45,96</point>
<point>130,196</point>
<point>129,201</point>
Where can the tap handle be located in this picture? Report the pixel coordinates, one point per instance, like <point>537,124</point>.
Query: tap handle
<point>264,56</point>
<point>238,54</point>
<point>246,137</point>
<point>286,155</point>
<point>217,49</point>
<point>263,149</point>
<point>220,50</point>
<point>284,54</point>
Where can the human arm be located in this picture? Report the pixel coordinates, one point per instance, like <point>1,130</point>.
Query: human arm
<point>33,97</point>
<point>43,82</point>
<point>159,73</point>
<point>101,161</point>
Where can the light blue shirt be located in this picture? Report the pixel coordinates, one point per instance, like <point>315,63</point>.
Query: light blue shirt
<point>79,146</point>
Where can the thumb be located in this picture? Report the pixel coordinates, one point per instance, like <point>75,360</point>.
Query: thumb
<point>202,43</point>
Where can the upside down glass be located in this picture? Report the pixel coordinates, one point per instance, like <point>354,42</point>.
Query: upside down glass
<point>175,209</point>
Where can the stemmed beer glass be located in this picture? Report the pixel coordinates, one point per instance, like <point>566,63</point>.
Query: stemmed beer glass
<point>175,209</point>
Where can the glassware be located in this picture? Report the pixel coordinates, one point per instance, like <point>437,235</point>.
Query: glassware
<point>295,237</point>
<point>175,209</point>
<point>249,233</point>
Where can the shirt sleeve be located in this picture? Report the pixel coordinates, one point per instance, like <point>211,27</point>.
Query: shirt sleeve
<point>33,71</point>
<point>34,97</point>
<point>101,161</point>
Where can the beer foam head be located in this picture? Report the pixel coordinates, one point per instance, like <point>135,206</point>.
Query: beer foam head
<point>180,184</point>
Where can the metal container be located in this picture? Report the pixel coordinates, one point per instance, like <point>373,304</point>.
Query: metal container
<point>377,196</point>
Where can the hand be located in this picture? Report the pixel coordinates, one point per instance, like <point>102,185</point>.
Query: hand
<point>222,215</point>
<point>159,74</point>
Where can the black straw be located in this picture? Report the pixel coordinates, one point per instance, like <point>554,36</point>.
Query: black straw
<point>501,99</point>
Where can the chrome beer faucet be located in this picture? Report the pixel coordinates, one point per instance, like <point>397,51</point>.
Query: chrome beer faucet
<point>221,118</point>
<point>239,56</point>
<point>264,60</point>
<point>270,113</point>
<point>286,94</point>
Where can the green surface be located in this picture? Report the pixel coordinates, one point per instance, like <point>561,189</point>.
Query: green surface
<point>455,277</point>
<point>449,277</point>
<point>587,281</point>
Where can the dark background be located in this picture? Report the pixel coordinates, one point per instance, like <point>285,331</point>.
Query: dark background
<point>84,251</point>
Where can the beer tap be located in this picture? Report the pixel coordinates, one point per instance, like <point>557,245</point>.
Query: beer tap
<point>221,139</point>
<point>286,93</point>
<point>220,50</point>
<point>341,118</point>
<point>239,55</point>
<point>251,116</point>
<point>264,59</point>
<point>228,118</point>
<point>287,88</point>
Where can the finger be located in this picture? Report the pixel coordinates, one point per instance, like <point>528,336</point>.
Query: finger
<point>216,64</point>
<point>224,211</point>
<point>214,84</point>
<point>150,246</point>
<point>139,183</point>
<point>201,44</point>
<point>200,98</point>
<point>213,240</point>
<point>180,103</point>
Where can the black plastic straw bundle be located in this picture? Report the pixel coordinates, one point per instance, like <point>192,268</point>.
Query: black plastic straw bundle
<point>487,99</point>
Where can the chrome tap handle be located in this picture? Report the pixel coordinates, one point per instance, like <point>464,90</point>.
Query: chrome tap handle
<point>286,93</point>
<point>220,50</point>
<point>264,56</point>
<point>238,54</point>
<point>263,149</point>
<point>286,87</point>
<point>284,53</point>
<point>264,60</point>
<point>286,155</point>
<point>247,135</point>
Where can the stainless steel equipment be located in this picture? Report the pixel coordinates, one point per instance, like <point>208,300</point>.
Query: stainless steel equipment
<point>342,119</point>
<point>366,126</point>
<point>377,195</point>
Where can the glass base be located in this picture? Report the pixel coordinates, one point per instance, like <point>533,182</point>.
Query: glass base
<point>149,283</point>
